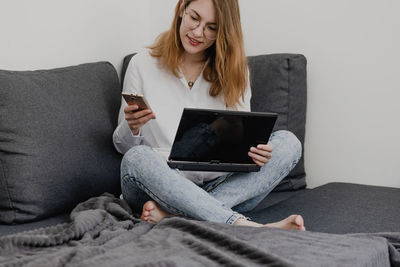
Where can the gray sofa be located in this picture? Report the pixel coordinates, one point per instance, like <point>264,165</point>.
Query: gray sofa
<point>56,149</point>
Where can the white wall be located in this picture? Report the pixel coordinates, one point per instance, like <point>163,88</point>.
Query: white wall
<point>55,33</point>
<point>353,51</point>
<point>353,124</point>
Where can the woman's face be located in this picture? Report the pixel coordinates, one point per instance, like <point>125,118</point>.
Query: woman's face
<point>198,28</point>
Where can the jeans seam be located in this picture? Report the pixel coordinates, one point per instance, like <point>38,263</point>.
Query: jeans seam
<point>236,216</point>
<point>230,220</point>
<point>152,195</point>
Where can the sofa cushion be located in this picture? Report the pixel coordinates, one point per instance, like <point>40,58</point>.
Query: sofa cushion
<point>278,84</point>
<point>56,139</point>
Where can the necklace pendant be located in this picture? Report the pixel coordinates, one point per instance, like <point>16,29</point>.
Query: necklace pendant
<point>190,83</point>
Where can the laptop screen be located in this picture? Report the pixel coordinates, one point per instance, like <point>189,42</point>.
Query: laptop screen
<point>220,136</point>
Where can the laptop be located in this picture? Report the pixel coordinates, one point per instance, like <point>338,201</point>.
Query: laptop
<point>219,140</point>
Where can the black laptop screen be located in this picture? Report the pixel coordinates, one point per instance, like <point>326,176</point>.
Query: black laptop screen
<point>220,136</point>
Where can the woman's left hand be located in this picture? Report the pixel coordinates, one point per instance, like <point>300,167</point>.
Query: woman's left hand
<point>261,154</point>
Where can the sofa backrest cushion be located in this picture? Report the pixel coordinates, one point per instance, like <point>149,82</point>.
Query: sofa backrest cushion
<point>56,139</point>
<point>279,84</point>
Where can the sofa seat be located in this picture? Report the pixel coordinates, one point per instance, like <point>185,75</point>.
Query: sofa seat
<point>7,229</point>
<point>338,208</point>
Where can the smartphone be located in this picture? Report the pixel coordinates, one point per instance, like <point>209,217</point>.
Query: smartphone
<point>136,99</point>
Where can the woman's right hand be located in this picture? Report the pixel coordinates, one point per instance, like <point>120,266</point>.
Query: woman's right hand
<point>137,118</point>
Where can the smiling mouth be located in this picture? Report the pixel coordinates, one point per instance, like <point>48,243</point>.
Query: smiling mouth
<point>193,41</point>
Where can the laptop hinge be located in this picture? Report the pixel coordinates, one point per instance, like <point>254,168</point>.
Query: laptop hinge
<point>214,161</point>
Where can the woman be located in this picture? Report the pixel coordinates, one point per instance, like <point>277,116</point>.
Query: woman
<point>198,63</point>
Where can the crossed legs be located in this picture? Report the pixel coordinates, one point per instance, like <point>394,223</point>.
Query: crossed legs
<point>156,191</point>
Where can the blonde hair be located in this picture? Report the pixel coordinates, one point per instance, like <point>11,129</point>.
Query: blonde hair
<point>227,67</point>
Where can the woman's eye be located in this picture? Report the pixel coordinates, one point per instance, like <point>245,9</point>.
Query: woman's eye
<point>212,28</point>
<point>193,18</point>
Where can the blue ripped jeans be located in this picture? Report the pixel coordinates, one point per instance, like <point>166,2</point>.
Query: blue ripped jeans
<point>145,176</point>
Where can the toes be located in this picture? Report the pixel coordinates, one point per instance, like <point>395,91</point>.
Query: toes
<point>149,206</point>
<point>152,213</point>
<point>299,220</point>
<point>295,219</point>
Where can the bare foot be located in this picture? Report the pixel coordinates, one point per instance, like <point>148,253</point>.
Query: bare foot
<point>293,222</point>
<point>152,213</point>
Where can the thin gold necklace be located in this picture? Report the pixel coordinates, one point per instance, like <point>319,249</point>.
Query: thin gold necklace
<point>191,82</point>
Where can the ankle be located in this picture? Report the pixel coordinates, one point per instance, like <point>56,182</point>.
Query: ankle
<point>242,221</point>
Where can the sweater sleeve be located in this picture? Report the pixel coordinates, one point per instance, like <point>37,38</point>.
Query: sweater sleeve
<point>123,138</point>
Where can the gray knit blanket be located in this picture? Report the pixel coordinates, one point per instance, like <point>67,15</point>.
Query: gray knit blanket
<point>103,232</point>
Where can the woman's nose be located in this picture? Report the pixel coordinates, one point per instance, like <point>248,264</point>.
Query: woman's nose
<point>198,31</point>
